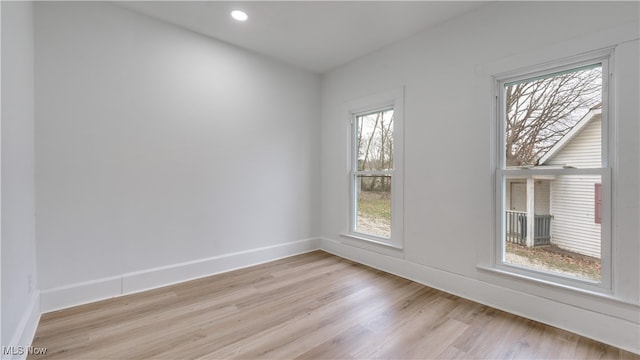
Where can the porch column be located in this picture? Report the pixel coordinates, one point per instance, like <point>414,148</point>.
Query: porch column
<point>531,209</point>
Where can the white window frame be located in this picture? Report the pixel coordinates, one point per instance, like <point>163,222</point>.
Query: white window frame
<point>391,99</point>
<point>605,57</point>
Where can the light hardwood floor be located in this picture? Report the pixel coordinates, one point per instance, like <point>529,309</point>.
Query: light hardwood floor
<point>310,306</point>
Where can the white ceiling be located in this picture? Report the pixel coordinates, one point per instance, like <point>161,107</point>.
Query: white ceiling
<point>314,35</point>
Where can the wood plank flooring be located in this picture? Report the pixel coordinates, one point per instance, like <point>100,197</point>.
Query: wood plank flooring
<point>311,306</point>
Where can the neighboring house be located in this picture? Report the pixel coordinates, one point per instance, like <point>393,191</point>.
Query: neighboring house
<point>567,207</point>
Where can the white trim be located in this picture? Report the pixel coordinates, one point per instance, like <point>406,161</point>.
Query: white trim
<point>605,57</point>
<point>392,99</point>
<point>26,330</point>
<point>129,283</point>
<point>374,240</point>
<point>548,173</point>
<point>542,282</point>
<point>572,314</point>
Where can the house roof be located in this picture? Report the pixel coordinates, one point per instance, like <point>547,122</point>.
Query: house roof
<point>592,114</point>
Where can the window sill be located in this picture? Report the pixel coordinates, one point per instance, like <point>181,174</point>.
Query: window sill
<point>605,294</point>
<point>371,240</point>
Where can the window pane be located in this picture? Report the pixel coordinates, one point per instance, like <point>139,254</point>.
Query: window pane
<point>375,140</point>
<point>566,236</point>
<point>373,205</point>
<point>551,120</point>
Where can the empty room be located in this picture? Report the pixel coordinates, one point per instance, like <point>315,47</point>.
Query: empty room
<point>320,180</point>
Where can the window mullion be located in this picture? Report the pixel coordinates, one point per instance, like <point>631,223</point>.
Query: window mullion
<point>540,172</point>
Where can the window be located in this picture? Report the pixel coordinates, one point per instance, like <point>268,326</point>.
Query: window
<point>376,169</point>
<point>553,152</point>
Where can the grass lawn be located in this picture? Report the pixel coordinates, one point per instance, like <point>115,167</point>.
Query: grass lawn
<point>552,258</point>
<point>374,213</point>
<point>374,217</point>
<point>375,205</point>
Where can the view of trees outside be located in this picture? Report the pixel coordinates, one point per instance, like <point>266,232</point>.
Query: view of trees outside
<point>375,141</point>
<point>375,161</point>
<point>541,111</point>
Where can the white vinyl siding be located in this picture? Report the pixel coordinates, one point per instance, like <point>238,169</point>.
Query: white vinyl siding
<point>574,227</point>
<point>584,150</point>
<point>573,197</point>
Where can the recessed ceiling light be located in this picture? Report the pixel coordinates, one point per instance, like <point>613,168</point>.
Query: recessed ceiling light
<point>239,15</point>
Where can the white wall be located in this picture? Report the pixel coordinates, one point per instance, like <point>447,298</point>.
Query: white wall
<point>20,309</point>
<point>158,148</point>
<point>446,71</point>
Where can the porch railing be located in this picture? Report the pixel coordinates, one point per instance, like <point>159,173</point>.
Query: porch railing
<point>516,228</point>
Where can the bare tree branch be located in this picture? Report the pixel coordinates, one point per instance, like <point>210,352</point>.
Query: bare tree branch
<point>541,111</point>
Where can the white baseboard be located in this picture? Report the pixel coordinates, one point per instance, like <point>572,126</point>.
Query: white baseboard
<point>100,289</point>
<point>20,343</point>
<point>598,326</point>
<point>594,325</point>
